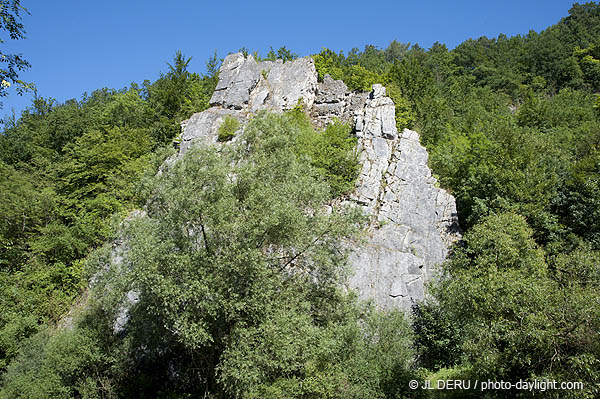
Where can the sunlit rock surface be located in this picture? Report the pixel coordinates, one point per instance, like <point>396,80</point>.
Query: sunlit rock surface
<point>412,222</point>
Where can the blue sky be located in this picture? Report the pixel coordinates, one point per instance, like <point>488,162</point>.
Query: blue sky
<point>76,46</point>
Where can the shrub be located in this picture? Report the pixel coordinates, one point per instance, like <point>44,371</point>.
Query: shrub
<point>228,128</point>
<point>58,364</point>
<point>333,153</point>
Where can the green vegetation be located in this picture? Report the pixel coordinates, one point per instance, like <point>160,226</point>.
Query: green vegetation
<point>12,64</point>
<point>228,128</point>
<point>239,285</point>
<point>65,170</point>
<point>282,54</point>
<point>332,152</point>
<point>518,315</point>
<point>238,264</point>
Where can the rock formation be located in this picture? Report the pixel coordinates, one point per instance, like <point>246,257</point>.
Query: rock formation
<point>413,222</point>
<point>245,87</point>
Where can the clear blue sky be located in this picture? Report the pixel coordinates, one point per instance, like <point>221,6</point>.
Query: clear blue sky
<point>76,46</point>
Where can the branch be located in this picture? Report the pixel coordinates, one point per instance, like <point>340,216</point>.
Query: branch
<point>303,251</point>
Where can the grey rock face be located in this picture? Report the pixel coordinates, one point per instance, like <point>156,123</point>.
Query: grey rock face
<point>203,127</point>
<point>378,117</point>
<point>330,102</point>
<point>246,87</point>
<point>117,265</point>
<point>331,91</point>
<point>237,77</point>
<point>413,222</point>
<point>130,300</point>
<point>246,84</point>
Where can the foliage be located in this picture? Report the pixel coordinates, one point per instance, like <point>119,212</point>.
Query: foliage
<point>66,362</point>
<point>328,62</point>
<point>236,255</point>
<point>282,54</point>
<point>176,95</point>
<point>356,76</point>
<point>437,336</point>
<point>579,201</point>
<point>405,118</point>
<point>238,268</point>
<point>332,152</point>
<point>519,319</point>
<point>238,265</point>
<point>65,170</point>
<point>228,128</point>
<point>292,358</point>
<point>10,22</point>
<point>255,241</point>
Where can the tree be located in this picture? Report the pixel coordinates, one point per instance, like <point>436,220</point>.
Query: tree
<point>169,91</point>
<point>395,51</point>
<point>231,236</point>
<point>10,16</point>
<point>176,95</point>
<point>283,54</point>
<point>236,255</point>
<point>518,317</point>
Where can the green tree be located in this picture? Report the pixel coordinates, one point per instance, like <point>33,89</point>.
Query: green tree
<point>228,128</point>
<point>518,317</point>
<point>244,246</point>
<point>235,256</point>
<point>332,152</point>
<point>282,54</point>
<point>395,51</point>
<point>176,95</point>
<point>70,364</point>
<point>12,64</point>
<point>328,62</point>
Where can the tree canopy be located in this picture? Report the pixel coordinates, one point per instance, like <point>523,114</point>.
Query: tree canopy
<point>12,64</point>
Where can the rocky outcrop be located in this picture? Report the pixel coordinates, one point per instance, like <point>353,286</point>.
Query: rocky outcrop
<point>246,87</point>
<point>203,127</point>
<point>332,101</point>
<point>247,84</point>
<point>413,222</point>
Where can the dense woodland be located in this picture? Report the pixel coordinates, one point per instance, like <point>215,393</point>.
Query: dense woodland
<point>230,308</point>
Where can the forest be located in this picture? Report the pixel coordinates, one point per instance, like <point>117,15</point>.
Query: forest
<point>512,127</point>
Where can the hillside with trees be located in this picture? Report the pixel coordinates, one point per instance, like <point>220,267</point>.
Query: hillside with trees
<point>512,126</point>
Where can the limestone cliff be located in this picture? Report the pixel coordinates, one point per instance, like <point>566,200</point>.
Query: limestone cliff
<point>413,222</point>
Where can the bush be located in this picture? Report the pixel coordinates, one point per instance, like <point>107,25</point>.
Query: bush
<point>333,153</point>
<point>63,364</point>
<point>367,355</point>
<point>228,128</point>
<point>405,116</point>
<point>518,318</point>
<point>437,336</point>
<point>356,77</point>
